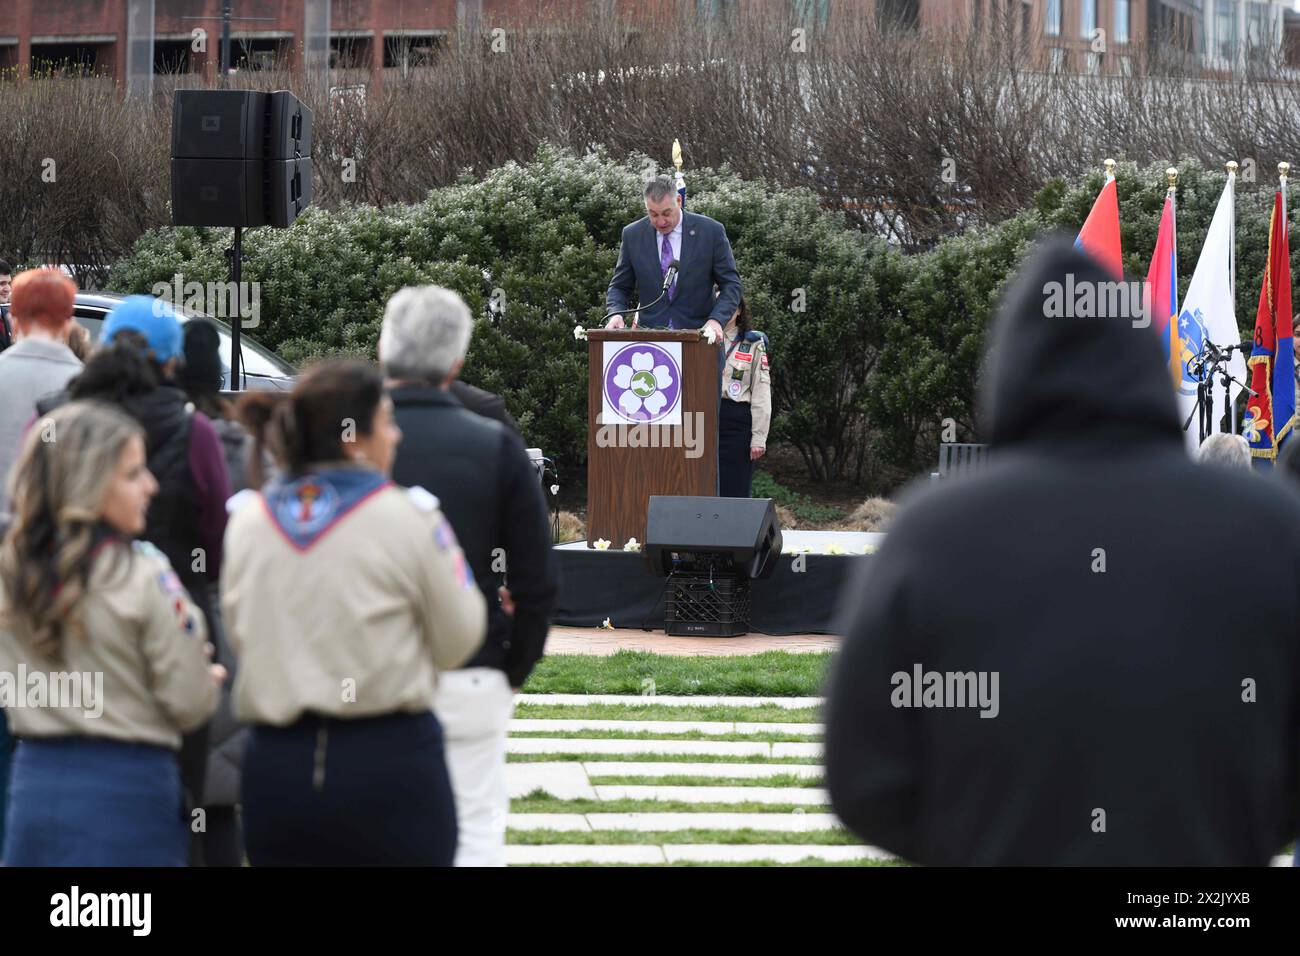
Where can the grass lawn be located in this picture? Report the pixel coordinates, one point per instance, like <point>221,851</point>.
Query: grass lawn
<point>652,711</point>
<point>658,735</point>
<point>804,862</point>
<point>770,674</point>
<point>541,802</point>
<point>780,780</point>
<point>656,758</point>
<point>640,837</point>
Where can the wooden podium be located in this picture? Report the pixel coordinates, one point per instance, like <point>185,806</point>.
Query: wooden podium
<point>629,459</point>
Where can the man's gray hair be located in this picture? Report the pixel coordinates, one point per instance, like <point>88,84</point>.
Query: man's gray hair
<point>659,187</point>
<point>1224,449</point>
<point>426,331</point>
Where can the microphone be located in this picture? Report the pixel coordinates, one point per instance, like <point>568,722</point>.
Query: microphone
<point>671,275</point>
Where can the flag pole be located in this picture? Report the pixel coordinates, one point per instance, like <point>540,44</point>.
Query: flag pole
<point>1175,347</point>
<point>680,184</point>
<point>1231,167</point>
<point>1282,170</point>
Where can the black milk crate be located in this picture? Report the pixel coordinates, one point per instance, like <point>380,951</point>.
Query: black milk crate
<point>704,605</point>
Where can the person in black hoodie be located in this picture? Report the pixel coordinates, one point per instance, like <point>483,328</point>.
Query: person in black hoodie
<point>1129,638</point>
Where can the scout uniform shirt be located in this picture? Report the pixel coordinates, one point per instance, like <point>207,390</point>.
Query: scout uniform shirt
<point>343,595</point>
<point>138,675</point>
<point>746,378</point>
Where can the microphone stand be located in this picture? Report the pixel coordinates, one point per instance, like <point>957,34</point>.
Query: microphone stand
<point>641,308</point>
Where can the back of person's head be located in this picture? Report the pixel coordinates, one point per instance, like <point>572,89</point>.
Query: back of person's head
<point>1288,462</point>
<point>42,300</point>
<point>309,425</point>
<point>58,491</point>
<point>425,335</point>
<point>743,321</point>
<point>118,371</point>
<point>154,320</point>
<point>1224,449</point>
<point>1074,360</point>
<point>79,341</point>
<point>202,376</point>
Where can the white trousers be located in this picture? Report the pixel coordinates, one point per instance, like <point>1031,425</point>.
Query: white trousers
<point>474,707</point>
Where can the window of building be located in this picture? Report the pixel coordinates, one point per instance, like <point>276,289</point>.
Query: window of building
<point>1121,21</point>
<point>1052,20</point>
<point>714,9</point>
<point>897,14</point>
<point>1258,34</point>
<point>812,13</point>
<point>403,51</point>
<point>1087,18</point>
<point>1225,28</point>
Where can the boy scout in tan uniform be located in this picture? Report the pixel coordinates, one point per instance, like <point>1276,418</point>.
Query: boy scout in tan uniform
<point>744,413</point>
<point>746,378</point>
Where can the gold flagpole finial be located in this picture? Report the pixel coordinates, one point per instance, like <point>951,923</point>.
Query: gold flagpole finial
<point>1171,176</point>
<point>677,154</point>
<point>1109,166</point>
<point>1283,169</point>
<point>1231,167</point>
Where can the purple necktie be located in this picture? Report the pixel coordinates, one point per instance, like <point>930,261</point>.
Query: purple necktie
<point>665,258</point>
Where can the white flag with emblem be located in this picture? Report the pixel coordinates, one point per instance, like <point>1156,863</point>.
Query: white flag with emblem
<point>1209,313</point>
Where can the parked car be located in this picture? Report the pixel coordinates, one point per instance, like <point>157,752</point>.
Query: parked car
<point>260,368</point>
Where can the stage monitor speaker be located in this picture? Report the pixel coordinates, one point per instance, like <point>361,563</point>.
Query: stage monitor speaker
<point>240,158</point>
<point>736,533</point>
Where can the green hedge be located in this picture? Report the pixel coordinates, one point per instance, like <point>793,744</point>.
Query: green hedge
<point>871,350</point>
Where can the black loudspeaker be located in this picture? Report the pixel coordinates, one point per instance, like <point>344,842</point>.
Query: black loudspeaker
<point>219,124</point>
<point>240,158</point>
<point>721,535</point>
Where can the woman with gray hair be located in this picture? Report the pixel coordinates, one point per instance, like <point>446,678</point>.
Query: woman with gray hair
<point>1222,448</point>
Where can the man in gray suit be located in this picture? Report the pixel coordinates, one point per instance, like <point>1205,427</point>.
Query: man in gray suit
<point>700,246</point>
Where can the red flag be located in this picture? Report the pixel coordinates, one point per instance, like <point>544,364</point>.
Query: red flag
<point>1099,236</point>
<point>1271,413</point>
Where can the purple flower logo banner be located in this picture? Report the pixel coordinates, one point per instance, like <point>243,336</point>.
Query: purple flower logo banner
<point>642,384</point>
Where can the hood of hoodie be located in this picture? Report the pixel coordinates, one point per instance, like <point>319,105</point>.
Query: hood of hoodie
<point>1070,380</point>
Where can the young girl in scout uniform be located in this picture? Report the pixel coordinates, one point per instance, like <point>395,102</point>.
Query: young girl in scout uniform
<point>746,410</point>
<point>344,596</point>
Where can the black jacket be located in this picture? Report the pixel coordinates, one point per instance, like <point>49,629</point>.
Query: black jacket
<point>484,403</point>
<point>1120,691</point>
<point>491,495</point>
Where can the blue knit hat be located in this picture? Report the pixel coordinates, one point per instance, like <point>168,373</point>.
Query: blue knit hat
<point>152,318</point>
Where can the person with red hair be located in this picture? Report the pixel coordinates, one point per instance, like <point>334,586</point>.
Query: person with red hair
<point>39,305</point>
<point>39,362</point>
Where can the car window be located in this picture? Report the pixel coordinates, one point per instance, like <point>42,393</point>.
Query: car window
<point>256,360</point>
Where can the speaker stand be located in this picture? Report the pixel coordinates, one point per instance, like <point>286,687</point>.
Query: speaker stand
<point>236,255</point>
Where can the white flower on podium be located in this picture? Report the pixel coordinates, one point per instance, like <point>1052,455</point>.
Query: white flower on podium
<point>601,544</point>
<point>642,383</point>
<point>834,548</point>
<point>606,625</point>
<point>632,545</point>
<point>708,333</point>
<point>579,333</point>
